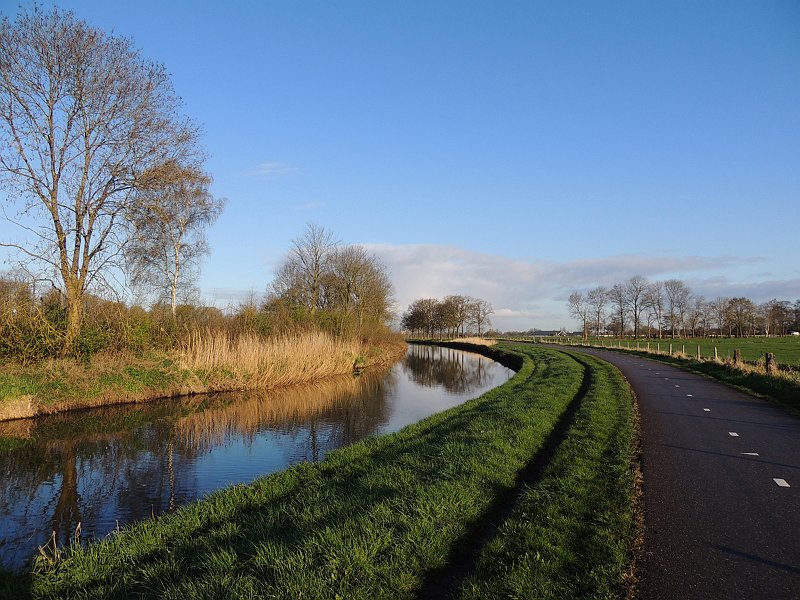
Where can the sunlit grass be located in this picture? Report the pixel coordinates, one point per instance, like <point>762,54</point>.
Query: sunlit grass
<point>375,519</point>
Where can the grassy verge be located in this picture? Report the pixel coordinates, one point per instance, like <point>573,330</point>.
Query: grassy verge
<point>213,363</point>
<point>570,533</point>
<point>374,520</point>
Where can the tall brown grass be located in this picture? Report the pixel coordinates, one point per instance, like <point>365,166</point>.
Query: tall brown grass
<point>249,361</point>
<point>476,341</point>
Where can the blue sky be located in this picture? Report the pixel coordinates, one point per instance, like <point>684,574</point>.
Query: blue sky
<point>513,151</point>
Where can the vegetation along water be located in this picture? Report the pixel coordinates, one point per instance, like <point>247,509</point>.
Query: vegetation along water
<point>526,490</point>
<point>97,470</point>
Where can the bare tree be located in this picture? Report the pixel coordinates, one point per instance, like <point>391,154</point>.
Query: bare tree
<point>694,316</point>
<point>655,300</point>
<point>421,316</point>
<point>480,311</point>
<point>677,295</point>
<point>579,309</point>
<point>597,299</point>
<point>84,122</point>
<point>357,284</point>
<point>619,299</point>
<point>300,277</point>
<point>719,310</point>
<point>635,290</point>
<point>741,313</point>
<point>168,238</point>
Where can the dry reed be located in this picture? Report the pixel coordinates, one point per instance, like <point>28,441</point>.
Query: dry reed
<point>249,361</point>
<point>477,341</point>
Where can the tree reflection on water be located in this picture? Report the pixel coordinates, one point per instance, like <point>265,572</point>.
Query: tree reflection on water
<point>107,467</point>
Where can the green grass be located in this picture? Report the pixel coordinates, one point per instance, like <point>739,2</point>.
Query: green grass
<point>569,536</point>
<point>375,519</point>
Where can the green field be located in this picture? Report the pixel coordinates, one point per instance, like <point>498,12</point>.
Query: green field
<point>524,492</point>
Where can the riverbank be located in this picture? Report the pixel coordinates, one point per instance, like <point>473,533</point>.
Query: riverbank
<point>526,489</point>
<point>211,363</point>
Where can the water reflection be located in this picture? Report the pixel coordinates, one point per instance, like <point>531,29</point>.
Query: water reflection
<point>107,467</point>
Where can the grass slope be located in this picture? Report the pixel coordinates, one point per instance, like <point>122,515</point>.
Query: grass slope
<point>374,520</point>
<point>570,533</point>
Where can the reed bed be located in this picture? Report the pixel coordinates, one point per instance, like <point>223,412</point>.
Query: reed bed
<point>477,341</point>
<point>248,361</point>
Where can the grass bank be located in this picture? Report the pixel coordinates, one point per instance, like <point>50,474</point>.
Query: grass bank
<point>207,363</point>
<point>384,518</point>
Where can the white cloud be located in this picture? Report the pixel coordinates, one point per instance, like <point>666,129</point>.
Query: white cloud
<point>532,293</point>
<point>266,169</point>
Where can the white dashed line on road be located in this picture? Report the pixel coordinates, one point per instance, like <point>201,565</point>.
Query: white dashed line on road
<point>733,434</point>
<point>749,453</point>
<point>707,409</point>
<point>781,482</point>
<point>676,385</point>
<point>688,395</point>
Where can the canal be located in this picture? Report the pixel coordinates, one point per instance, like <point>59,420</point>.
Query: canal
<point>82,475</point>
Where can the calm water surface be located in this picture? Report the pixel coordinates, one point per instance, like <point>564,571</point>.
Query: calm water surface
<point>107,467</point>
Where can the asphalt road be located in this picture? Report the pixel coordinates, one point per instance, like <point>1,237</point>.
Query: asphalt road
<point>721,489</point>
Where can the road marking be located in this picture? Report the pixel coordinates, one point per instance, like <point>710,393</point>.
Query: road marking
<point>688,395</point>
<point>781,482</point>
<point>733,434</point>
<point>749,453</point>
<point>676,385</point>
<point>707,409</point>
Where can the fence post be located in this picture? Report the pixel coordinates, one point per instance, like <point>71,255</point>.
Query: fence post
<point>737,356</point>
<point>769,363</point>
<point>698,352</point>
<point>670,349</point>
<point>716,357</point>
<point>658,347</point>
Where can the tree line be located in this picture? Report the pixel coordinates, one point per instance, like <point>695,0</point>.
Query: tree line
<point>453,316</point>
<point>643,308</point>
<point>320,284</point>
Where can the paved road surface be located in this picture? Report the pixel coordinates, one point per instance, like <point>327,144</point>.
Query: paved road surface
<point>721,487</point>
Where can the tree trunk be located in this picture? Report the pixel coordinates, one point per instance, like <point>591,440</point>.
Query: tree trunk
<point>74,318</point>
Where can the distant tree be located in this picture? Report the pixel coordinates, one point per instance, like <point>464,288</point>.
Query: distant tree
<point>479,314</point>
<point>85,122</point>
<point>718,308</point>
<point>677,295</point>
<point>300,278</point>
<point>635,298</point>
<point>654,301</point>
<point>167,236</point>
<point>619,300</point>
<point>579,309</point>
<point>459,310</point>
<point>597,299</point>
<point>741,313</point>
<point>358,285</point>
<point>778,315</point>
<point>694,314</point>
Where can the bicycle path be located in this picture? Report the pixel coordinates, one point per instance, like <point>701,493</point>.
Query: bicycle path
<point>721,487</point>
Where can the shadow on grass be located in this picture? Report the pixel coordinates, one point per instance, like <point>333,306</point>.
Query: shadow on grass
<point>444,581</point>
